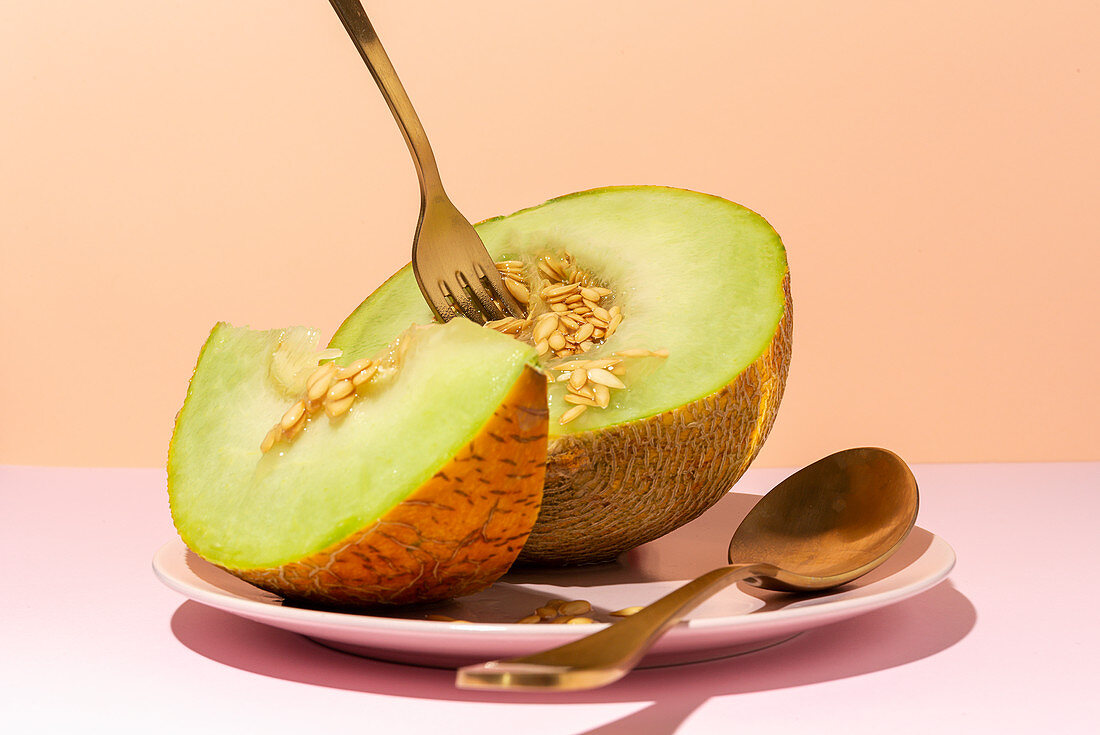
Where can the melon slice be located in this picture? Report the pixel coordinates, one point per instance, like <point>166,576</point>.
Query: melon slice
<point>694,276</point>
<point>423,486</point>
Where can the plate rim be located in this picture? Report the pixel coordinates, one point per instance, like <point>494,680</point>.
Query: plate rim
<point>255,609</point>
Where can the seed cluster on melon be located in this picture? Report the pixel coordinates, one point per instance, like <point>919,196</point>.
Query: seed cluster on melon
<point>564,308</point>
<point>329,388</point>
<point>565,315</point>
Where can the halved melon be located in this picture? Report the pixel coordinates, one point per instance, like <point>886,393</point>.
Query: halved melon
<point>693,276</point>
<point>415,475</point>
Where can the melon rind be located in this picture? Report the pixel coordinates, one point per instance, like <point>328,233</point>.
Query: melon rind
<point>687,430</point>
<point>611,490</point>
<point>455,535</point>
<point>447,443</point>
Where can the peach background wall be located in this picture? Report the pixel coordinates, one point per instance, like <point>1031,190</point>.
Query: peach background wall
<point>932,168</point>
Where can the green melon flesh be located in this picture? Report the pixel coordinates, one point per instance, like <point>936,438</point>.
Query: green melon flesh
<point>695,274</point>
<point>243,509</point>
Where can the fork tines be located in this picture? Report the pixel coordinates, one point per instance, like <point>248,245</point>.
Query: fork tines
<point>480,299</point>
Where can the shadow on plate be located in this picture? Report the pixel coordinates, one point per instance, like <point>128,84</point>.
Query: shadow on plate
<point>684,554</point>
<point>892,636</point>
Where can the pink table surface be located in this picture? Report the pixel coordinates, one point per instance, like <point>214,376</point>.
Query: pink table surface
<point>90,640</point>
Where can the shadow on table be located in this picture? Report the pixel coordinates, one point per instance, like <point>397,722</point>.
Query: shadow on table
<point>893,636</point>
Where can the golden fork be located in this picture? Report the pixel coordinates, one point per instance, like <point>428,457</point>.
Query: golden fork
<point>454,271</point>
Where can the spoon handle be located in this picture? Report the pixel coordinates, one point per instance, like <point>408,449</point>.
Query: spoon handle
<point>609,654</point>
<point>363,35</point>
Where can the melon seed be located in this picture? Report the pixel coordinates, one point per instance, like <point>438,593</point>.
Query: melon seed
<point>518,290</point>
<point>564,290</point>
<point>339,390</point>
<point>585,390</point>
<point>292,416</point>
<point>293,431</point>
<point>557,270</point>
<point>603,377</point>
<point>547,271</point>
<point>364,375</point>
<point>575,607</point>
<point>322,372</point>
<point>571,414</point>
<point>319,387</point>
<point>270,439</point>
<point>340,407</point>
<point>545,327</point>
<point>352,369</point>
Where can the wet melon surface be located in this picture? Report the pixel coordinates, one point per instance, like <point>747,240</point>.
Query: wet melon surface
<point>696,275</point>
<point>447,439</point>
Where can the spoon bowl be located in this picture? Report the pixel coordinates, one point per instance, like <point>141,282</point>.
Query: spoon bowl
<point>829,523</point>
<point>824,526</point>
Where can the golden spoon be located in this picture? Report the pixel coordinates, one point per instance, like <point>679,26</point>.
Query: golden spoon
<point>822,527</point>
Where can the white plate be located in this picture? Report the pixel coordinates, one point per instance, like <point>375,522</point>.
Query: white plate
<point>737,620</point>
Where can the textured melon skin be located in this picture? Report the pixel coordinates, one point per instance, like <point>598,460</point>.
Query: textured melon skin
<point>611,490</point>
<point>455,535</point>
<point>616,487</point>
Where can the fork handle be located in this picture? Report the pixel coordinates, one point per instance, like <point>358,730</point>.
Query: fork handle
<point>608,654</point>
<point>358,26</point>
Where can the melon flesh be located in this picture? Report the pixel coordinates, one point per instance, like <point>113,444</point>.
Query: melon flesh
<point>694,274</point>
<point>699,276</point>
<point>242,509</point>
